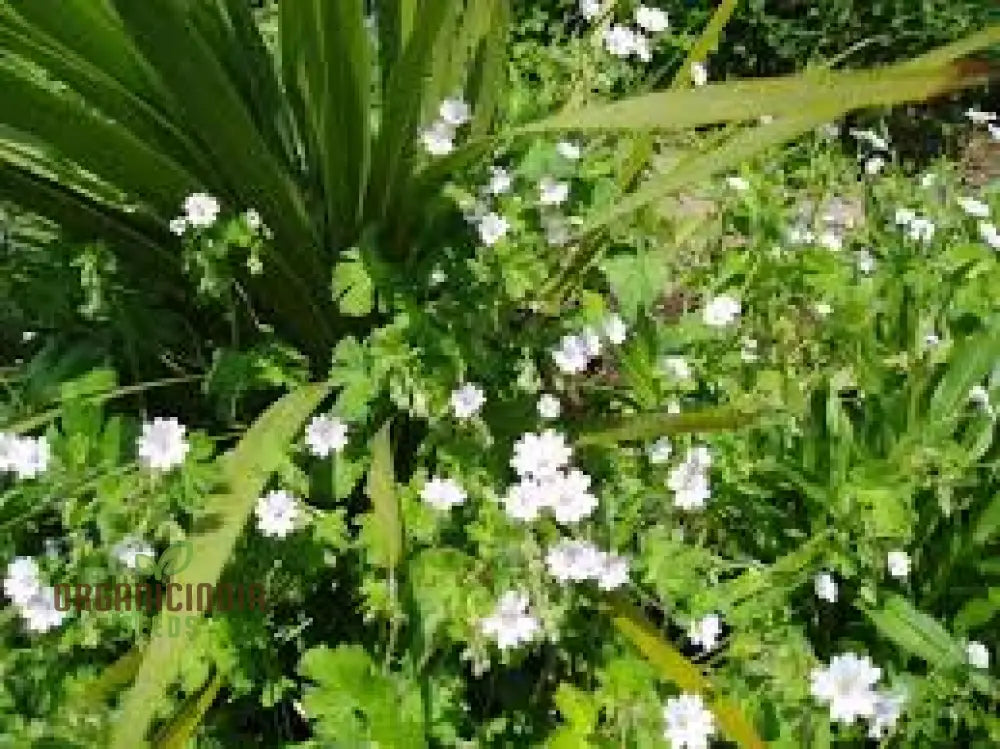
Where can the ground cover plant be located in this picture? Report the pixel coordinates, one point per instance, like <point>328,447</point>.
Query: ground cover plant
<point>568,396</point>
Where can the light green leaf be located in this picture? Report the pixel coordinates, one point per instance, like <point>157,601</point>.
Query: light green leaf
<point>388,530</point>
<point>642,427</point>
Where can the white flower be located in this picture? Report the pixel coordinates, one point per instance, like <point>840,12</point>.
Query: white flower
<point>874,165</point>
<point>653,20</point>
<point>552,192</point>
<point>572,356</point>
<point>748,350</point>
<point>904,216</point>
<point>540,456</point>
<point>887,710</point>
<point>201,210</point>
<point>981,397</point>
<point>932,339</point>
<point>592,340</point>
<point>326,435</point>
<point>619,40</point>
<point>438,139</point>
<point>989,234</point>
<point>831,240</point>
<point>921,229</point>
<point>979,117</point>
<point>253,219</point>
<point>21,580</point>
<point>974,208</point>
<point>556,231</point>
<point>590,9</point>
<point>526,499</point>
<point>511,624</point>
<point>873,139</point>
<point>571,501</point>
<point>162,445</point>
<point>615,330</point>
<point>689,481</point>
<point>738,183</point>
<point>492,228</point>
<point>721,311</point>
<point>674,407</point>
<point>467,400</point>
<point>826,587</point>
<point>549,406</point>
<point>801,235</point>
<point>500,181</point>
<point>705,632</point>
<point>898,563</point>
<point>129,549</point>
<point>454,112</point>
<point>573,561</point>
<point>613,572</point>
<point>39,611</point>
<point>276,513</point>
<point>676,366</point>
<point>25,457</point>
<point>443,494</point>
<point>689,724</point>
<point>994,131</point>
<point>823,309</point>
<point>660,451</point>
<point>641,47</point>
<point>866,262</point>
<point>699,74</point>
<point>178,226</point>
<point>846,685</point>
<point>928,180</point>
<point>568,150</point>
<point>978,654</point>
<point>690,485</point>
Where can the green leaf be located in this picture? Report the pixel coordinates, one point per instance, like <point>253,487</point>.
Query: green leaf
<point>675,668</point>
<point>969,366</point>
<point>351,703</point>
<point>387,549</point>
<point>353,289</point>
<point>246,470</point>
<point>182,725</point>
<point>642,427</point>
<point>916,632</point>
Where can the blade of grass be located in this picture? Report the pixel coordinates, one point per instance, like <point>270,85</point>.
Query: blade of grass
<point>646,426</point>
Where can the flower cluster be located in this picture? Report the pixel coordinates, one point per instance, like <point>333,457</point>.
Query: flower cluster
<point>575,352</point>
<point>918,228</point>
<point>443,494</point>
<point>439,138</point>
<point>541,463</point>
<point>35,602</point>
<point>847,686</point>
<point>25,457</point>
<point>624,41</point>
<point>579,561</point>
